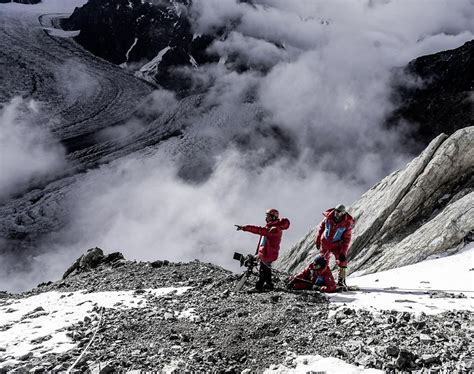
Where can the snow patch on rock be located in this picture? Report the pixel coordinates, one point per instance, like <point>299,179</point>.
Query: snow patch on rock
<point>61,33</point>
<point>151,68</point>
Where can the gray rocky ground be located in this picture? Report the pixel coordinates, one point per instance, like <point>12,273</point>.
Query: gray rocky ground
<point>233,332</point>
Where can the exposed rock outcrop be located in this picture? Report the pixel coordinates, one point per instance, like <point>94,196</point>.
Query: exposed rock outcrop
<point>90,260</point>
<point>425,209</point>
<point>154,35</point>
<point>438,96</point>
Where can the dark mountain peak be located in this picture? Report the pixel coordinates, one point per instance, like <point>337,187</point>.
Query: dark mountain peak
<point>437,96</point>
<point>455,66</point>
<point>133,33</point>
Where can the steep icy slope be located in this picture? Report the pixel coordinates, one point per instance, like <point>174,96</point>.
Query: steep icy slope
<point>81,93</point>
<point>422,210</point>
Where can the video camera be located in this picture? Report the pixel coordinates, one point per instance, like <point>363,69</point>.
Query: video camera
<point>249,261</point>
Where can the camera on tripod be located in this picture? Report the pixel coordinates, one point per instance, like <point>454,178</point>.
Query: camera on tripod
<point>248,261</point>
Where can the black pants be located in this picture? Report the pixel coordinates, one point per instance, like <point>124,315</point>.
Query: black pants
<point>264,276</point>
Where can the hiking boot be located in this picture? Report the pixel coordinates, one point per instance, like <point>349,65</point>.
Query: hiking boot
<point>341,278</point>
<point>268,287</point>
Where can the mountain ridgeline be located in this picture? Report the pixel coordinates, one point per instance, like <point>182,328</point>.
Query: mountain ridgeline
<point>439,97</point>
<point>135,32</point>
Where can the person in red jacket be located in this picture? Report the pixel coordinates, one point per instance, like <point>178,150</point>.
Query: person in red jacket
<point>269,245</point>
<point>316,276</point>
<point>334,236</point>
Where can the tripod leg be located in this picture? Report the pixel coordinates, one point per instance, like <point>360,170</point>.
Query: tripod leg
<point>241,282</point>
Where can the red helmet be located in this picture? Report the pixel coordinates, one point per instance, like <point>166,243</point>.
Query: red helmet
<point>273,212</point>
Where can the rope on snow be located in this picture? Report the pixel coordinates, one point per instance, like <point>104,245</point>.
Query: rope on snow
<point>90,342</point>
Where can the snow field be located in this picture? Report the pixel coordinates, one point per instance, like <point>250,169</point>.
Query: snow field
<point>39,323</point>
<point>432,286</point>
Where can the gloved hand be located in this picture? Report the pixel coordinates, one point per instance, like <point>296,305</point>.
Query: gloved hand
<point>316,288</point>
<point>238,227</point>
<point>323,289</point>
<point>318,246</point>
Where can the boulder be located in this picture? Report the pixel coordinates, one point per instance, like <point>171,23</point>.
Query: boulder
<point>91,259</point>
<point>405,359</point>
<point>113,257</point>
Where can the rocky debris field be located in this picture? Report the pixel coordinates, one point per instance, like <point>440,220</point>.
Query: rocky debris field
<point>209,327</point>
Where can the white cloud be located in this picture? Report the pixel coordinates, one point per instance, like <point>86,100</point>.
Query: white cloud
<point>28,152</point>
<point>213,14</point>
<point>74,83</point>
<point>249,51</point>
<point>140,207</point>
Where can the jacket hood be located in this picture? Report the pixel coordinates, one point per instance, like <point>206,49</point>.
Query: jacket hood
<point>283,223</point>
<point>347,217</point>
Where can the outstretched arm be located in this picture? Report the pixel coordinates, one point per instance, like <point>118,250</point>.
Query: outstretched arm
<point>259,230</point>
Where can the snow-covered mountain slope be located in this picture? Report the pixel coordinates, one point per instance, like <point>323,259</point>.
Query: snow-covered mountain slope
<point>74,95</point>
<point>126,315</point>
<point>427,208</point>
<point>81,93</point>
<point>78,96</point>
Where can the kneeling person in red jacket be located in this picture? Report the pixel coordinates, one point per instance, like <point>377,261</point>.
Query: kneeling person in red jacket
<point>269,245</point>
<point>316,276</point>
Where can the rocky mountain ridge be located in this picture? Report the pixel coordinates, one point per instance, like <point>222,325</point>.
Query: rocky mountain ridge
<point>439,96</point>
<point>155,36</point>
<point>422,210</point>
<point>208,327</point>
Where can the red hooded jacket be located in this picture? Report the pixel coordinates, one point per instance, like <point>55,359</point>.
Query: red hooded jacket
<point>269,245</point>
<point>308,277</point>
<point>335,236</point>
